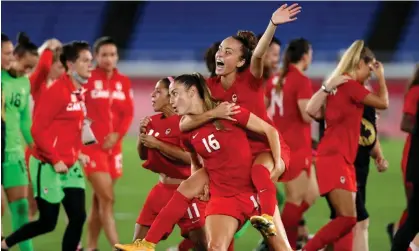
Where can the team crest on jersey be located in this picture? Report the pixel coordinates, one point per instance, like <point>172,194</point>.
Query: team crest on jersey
<point>118,86</point>
<point>168,130</point>
<point>234,98</point>
<point>99,84</point>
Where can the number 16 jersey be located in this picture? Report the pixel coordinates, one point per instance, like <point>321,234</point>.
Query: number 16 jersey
<point>226,155</point>
<point>16,91</point>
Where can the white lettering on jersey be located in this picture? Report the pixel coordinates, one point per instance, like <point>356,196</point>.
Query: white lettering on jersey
<point>74,107</point>
<point>99,94</point>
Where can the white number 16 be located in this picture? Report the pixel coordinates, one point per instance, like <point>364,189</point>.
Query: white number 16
<point>211,143</point>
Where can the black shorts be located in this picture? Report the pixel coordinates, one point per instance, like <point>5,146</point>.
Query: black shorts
<point>361,195</point>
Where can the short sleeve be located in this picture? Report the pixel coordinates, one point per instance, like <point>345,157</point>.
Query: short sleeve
<point>410,101</point>
<point>305,89</point>
<point>242,117</point>
<point>254,82</point>
<point>355,90</point>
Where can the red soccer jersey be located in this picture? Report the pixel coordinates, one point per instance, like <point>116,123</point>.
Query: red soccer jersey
<point>343,118</point>
<point>99,101</point>
<point>286,114</point>
<point>57,123</point>
<point>411,100</point>
<point>38,78</point>
<point>248,92</point>
<point>122,108</point>
<point>166,130</point>
<point>226,155</point>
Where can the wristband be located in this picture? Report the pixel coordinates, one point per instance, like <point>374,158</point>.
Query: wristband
<point>273,22</point>
<point>324,88</point>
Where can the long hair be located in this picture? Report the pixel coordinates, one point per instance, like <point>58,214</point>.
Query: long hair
<point>351,58</point>
<point>293,54</point>
<point>197,80</point>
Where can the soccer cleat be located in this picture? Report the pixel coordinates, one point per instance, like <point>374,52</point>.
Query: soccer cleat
<point>390,232</point>
<point>264,224</point>
<point>137,245</point>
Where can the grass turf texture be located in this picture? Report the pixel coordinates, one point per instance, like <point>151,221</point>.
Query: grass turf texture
<point>385,201</point>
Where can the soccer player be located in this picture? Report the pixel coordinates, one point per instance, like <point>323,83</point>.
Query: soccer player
<point>6,60</point>
<point>408,121</point>
<point>102,172</point>
<point>369,146</point>
<point>16,89</point>
<point>345,97</point>
<point>239,69</point>
<point>55,168</point>
<point>410,228</point>
<point>214,146</point>
<point>289,98</point>
<point>160,145</point>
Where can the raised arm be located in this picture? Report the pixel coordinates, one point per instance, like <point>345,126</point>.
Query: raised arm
<point>26,123</point>
<point>282,15</point>
<point>222,111</point>
<point>379,100</point>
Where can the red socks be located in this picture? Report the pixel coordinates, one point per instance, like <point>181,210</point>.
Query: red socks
<point>231,247</point>
<point>333,231</point>
<point>345,243</point>
<point>291,217</point>
<point>265,188</point>
<point>168,217</point>
<point>186,245</point>
<point>403,218</point>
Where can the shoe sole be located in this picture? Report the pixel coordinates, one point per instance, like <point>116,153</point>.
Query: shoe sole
<point>263,227</point>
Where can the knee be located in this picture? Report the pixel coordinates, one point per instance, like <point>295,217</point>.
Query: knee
<point>105,200</point>
<point>214,245</point>
<point>78,218</point>
<point>362,226</point>
<point>48,224</point>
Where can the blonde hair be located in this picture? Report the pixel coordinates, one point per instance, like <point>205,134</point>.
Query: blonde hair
<point>351,58</point>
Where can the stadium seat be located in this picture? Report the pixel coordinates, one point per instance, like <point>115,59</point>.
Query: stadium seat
<point>408,49</point>
<point>64,20</point>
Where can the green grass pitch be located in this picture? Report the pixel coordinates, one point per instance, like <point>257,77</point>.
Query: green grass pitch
<point>385,201</point>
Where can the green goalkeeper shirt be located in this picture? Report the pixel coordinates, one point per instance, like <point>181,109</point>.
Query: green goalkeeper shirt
<point>16,91</point>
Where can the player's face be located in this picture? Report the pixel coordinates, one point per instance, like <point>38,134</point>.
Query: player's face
<point>271,59</point>
<point>25,64</point>
<point>228,57</point>
<point>83,65</point>
<point>160,97</point>
<point>107,57</point>
<point>308,58</point>
<point>6,55</point>
<point>364,70</point>
<point>180,98</point>
<point>57,69</point>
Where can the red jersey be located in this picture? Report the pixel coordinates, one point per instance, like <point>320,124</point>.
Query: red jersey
<point>38,78</point>
<point>98,103</point>
<point>57,123</point>
<point>343,118</point>
<point>166,130</point>
<point>122,108</point>
<point>409,107</point>
<point>285,111</point>
<point>248,92</point>
<point>226,155</point>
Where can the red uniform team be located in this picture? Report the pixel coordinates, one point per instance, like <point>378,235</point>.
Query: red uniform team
<point>197,156</point>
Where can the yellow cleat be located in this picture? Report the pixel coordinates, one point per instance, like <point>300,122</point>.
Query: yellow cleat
<point>264,224</point>
<point>137,245</point>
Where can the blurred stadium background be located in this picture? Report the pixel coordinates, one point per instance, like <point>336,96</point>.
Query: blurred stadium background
<point>157,39</point>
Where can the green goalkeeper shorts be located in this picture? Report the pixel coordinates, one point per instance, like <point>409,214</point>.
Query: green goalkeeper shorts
<point>49,185</point>
<point>14,172</point>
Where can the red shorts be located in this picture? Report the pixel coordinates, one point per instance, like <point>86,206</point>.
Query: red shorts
<point>334,172</point>
<point>158,198</point>
<point>99,160</point>
<point>298,161</point>
<point>115,165</point>
<point>241,206</point>
<point>258,147</point>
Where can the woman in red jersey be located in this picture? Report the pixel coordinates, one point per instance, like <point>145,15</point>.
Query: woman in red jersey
<point>56,172</point>
<point>159,144</point>
<point>345,96</point>
<point>289,98</point>
<point>110,106</point>
<point>239,69</point>
<point>214,146</point>
<point>411,99</point>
